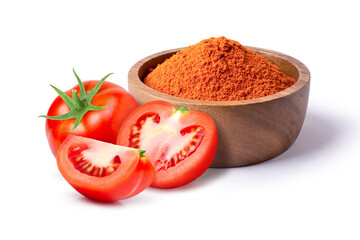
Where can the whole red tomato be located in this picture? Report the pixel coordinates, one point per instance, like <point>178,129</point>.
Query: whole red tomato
<point>93,109</point>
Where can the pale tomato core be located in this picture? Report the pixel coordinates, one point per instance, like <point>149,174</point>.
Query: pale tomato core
<point>98,160</point>
<point>150,131</point>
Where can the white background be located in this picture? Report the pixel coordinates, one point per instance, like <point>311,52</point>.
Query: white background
<point>309,192</point>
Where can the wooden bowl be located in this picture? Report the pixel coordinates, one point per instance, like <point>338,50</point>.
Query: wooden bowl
<point>249,131</point>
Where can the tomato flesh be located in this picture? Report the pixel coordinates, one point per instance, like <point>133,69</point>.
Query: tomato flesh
<point>181,146</point>
<point>148,132</point>
<point>83,160</point>
<point>103,171</point>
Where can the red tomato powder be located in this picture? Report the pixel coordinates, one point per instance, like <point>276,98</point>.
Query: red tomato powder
<point>218,69</point>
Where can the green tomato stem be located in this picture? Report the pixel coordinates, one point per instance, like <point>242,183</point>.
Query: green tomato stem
<point>79,105</point>
<point>182,109</point>
<point>141,152</point>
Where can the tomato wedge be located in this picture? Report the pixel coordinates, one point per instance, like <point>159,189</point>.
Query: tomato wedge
<point>180,144</point>
<point>103,171</point>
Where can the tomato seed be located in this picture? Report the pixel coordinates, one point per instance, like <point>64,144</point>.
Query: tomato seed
<point>82,163</point>
<point>109,170</point>
<point>86,166</point>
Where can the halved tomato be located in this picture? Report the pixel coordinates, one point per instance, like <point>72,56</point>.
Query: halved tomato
<point>180,144</point>
<point>103,171</point>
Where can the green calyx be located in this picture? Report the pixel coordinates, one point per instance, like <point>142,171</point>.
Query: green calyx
<point>79,105</point>
<point>141,153</point>
<point>182,109</point>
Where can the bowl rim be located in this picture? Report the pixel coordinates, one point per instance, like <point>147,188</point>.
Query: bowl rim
<point>303,80</point>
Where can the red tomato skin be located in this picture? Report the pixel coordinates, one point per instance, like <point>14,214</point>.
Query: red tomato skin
<point>102,125</point>
<point>110,188</point>
<point>140,178</point>
<point>192,167</point>
<point>190,172</point>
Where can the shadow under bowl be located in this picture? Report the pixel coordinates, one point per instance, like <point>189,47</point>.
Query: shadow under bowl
<point>249,131</point>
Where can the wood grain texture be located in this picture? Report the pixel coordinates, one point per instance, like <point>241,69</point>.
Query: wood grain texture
<point>249,131</point>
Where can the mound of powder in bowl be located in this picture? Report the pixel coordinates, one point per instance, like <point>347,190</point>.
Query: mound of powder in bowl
<point>218,69</point>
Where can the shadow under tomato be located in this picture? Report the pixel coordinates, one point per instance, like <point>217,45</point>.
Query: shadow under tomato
<point>211,174</point>
<point>103,204</point>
